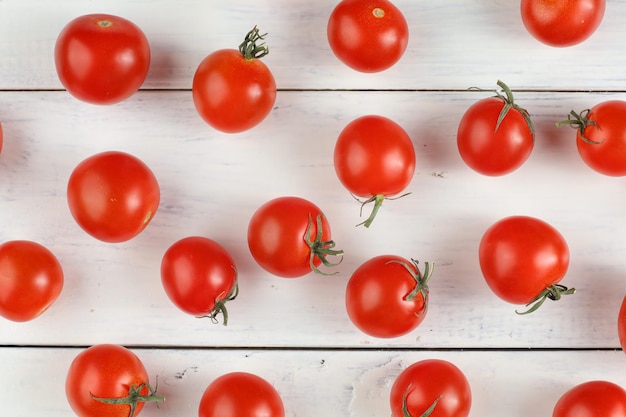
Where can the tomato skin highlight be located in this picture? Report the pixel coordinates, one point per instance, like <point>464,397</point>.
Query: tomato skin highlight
<point>592,398</point>
<point>562,23</point>
<point>101,58</point>
<point>240,394</point>
<point>427,381</point>
<point>521,256</point>
<point>621,324</point>
<point>31,280</point>
<point>113,196</point>
<point>367,35</point>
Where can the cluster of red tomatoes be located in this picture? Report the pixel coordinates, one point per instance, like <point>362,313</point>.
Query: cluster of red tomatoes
<point>113,196</point>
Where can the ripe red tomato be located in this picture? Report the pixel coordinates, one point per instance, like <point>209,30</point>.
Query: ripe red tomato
<point>233,90</point>
<point>370,167</point>
<point>113,196</point>
<point>562,23</point>
<point>601,136</point>
<point>621,324</point>
<point>367,35</point>
<point>31,280</point>
<point>523,259</point>
<point>387,296</point>
<point>495,136</point>
<point>199,276</point>
<point>239,394</point>
<point>108,381</point>
<point>102,59</point>
<point>592,398</point>
<point>431,387</point>
<point>290,237</point>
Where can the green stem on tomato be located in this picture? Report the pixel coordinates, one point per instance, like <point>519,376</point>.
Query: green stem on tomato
<point>579,121</point>
<point>421,282</point>
<point>553,292</point>
<point>220,304</point>
<point>134,396</point>
<point>320,249</point>
<point>509,103</point>
<point>405,408</point>
<point>250,48</point>
<point>378,202</point>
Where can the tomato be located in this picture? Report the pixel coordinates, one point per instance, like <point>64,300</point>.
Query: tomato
<point>601,136</point>
<point>238,394</point>
<point>621,324</point>
<point>592,398</point>
<point>495,136</point>
<point>523,259</point>
<point>370,167</point>
<point>108,381</point>
<point>562,23</point>
<point>290,237</point>
<point>31,280</point>
<point>367,35</point>
<point>431,387</point>
<point>233,90</point>
<point>113,196</point>
<point>101,58</point>
<point>199,276</point>
<point>387,296</point>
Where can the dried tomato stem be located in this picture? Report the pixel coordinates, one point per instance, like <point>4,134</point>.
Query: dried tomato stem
<point>320,249</point>
<point>579,121</point>
<point>250,49</point>
<point>134,396</point>
<point>553,292</point>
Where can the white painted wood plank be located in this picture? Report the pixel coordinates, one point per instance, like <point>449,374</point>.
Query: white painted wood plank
<point>454,44</point>
<point>212,183</point>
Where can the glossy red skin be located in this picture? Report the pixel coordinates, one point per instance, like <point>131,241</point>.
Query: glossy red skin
<point>31,280</point>
<point>520,256</point>
<point>608,155</point>
<point>276,236</point>
<point>621,324</point>
<point>239,394</point>
<point>101,58</point>
<point>113,196</point>
<point>562,23</point>
<point>231,93</point>
<point>365,39</point>
<point>375,298</point>
<point>368,166</point>
<point>592,398</point>
<point>195,271</point>
<point>489,151</point>
<point>426,381</point>
<point>105,371</point>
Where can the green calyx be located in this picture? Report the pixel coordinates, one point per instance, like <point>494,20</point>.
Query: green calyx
<point>553,292</point>
<point>134,396</point>
<point>421,282</point>
<point>220,305</point>
<point>405,409</point>
<point>509,104</point>
<point>253,46</point>
<point>579,121</point>
<point>378,202</point>
<point>320,249</point>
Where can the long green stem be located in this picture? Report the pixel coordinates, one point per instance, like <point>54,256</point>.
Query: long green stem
<point>134,396</point>
<point>320,249</point>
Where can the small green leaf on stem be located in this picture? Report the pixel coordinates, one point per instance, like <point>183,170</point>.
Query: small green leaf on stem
<point>509,104</point>
<point>320,249</point>
<point>134,396</point>
<point>553,292</point>
<point>580,121</point>
<point>250,48</point>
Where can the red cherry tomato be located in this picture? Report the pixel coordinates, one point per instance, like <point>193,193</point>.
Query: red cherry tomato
<point>31,279</point>
<point>199,276</point>
<point>592,398</point>
<point>523,259</point>
<point>431,387</point>
<point>370,167</point>
<point>102,59</point>
<point>234,90</point>
<point>562,23</point>
<point>108,381</point>
<point>290,237</point>
<point>621,324</point>
<point>367,35</point>
<point>113,196</point>
<point>240,394</point>
<point>387,296</point>
<point>495,136</point>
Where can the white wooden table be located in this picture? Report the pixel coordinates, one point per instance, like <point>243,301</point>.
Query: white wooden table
<point>296,333</point>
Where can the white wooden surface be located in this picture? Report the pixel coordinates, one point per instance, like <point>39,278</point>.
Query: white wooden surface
<point>295,332</point>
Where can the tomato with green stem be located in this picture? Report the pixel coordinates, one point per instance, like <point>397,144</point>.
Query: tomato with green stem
<point>431,387</point>
<point>601,136</point>
<point>523,259</point>
<point>592,398</point>
<point>387,296</point>
<point>108,380</point>
<point>233,90</point>
<point>199,276</point>
<point>495,136</point>
<point>290,237</point>
<point>374,158</point>
<point>31,280</point>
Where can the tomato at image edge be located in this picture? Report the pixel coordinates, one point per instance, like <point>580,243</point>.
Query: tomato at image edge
<point>101,58</point>
<point>31,280</point>
<point>367,35</point>
<point>592,398</point>
<point>621,324</point>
